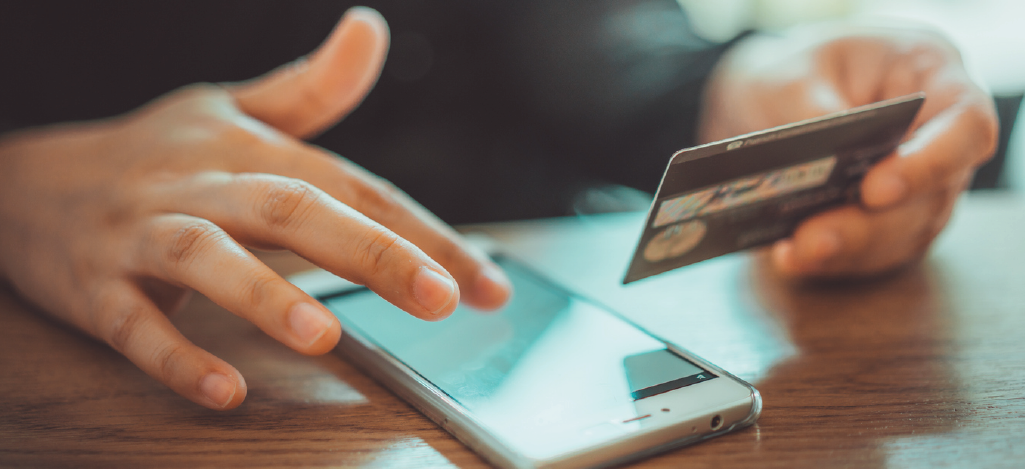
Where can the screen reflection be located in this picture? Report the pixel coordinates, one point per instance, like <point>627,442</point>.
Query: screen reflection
<point>549,373</point>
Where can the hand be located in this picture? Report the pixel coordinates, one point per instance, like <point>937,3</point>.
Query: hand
<point>107,225</point>
<point>907,198</point>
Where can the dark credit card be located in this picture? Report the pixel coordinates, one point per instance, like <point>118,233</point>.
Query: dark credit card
<point>755,189</point>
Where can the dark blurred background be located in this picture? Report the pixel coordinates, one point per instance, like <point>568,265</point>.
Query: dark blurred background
<point>485,111</point>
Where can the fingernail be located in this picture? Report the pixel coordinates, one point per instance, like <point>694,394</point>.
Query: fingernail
<point>432,290</point>
<point>887,190</point>
<point>219,389</point>
<point>366,14</point>
<point>492,287</point>
<point>309,322</point>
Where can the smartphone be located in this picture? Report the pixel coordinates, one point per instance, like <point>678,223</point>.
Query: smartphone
<point>550,380</point>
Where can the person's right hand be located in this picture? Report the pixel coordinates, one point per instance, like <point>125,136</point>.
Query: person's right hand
<point>107,225</point>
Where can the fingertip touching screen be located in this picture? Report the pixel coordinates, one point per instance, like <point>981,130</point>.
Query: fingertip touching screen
<point>549,373</point>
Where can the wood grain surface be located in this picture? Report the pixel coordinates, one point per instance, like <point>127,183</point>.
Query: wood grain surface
<point>923,368</point>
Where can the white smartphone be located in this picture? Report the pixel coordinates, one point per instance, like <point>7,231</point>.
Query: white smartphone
<point>550,380</point>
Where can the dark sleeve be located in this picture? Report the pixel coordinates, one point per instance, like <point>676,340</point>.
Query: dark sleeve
<point>616,86</point>
<point>65,61</point>
<point>484,111</point>
<point>494,111</point>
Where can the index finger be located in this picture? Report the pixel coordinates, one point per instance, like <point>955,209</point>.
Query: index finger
<point>482,283</point>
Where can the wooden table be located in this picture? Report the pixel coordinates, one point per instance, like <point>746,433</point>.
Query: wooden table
<point>924,368</point>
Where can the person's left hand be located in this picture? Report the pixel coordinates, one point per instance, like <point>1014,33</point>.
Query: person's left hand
<point>907,198</point>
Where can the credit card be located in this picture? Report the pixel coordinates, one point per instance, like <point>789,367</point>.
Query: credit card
<point>754,189</point>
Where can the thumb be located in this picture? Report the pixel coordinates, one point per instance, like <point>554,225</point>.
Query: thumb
<point>309,95</point>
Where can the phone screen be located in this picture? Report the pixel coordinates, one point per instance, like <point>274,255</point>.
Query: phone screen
<point>549,373</point>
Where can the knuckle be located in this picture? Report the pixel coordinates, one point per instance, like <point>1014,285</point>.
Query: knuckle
<point>201,91</point>
<point>166,359</point>
<point>373,252</point>
<point>233,134</point>
<point>378,197</point>
<point>124,328</point>
<point>257,290</point>
<point>285,204</point>
<point>312,99</point>
<point>449,252</point>
<point>987,127</point>
<point>214,128</point>
<point>200,100</point>
<point>190,96</point>
<point>190,240</point>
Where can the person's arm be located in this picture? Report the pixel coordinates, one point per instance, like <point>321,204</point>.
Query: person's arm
<point>108,224</point>
<point>770,80</point>
<point>613,87</point>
